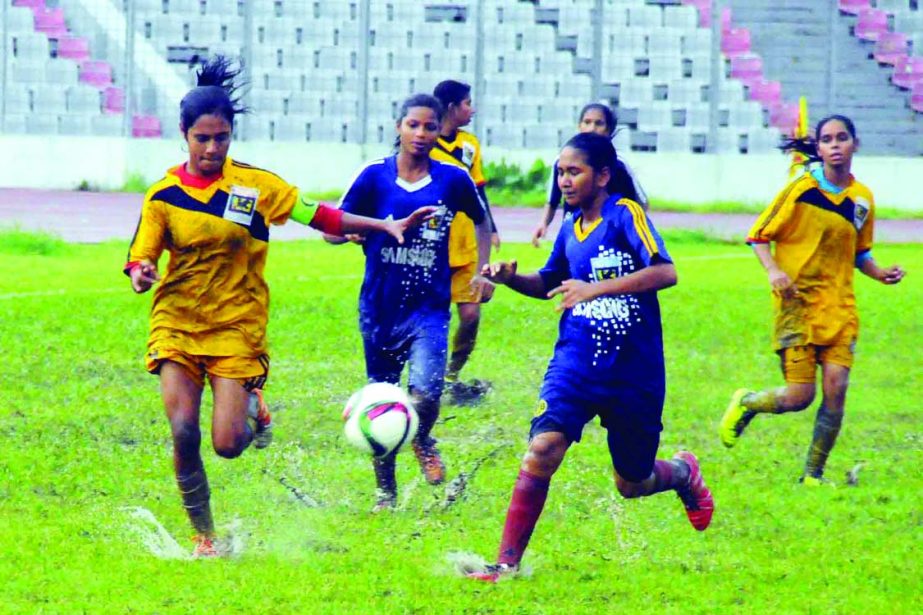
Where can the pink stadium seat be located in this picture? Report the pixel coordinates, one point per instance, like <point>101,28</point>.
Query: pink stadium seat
<point>50,22</point>
<point>889,47</point>
<point>784,116</point>
<point>96,73</point>
<point>73,47</point>
<point>916,97</point>
<point>113,100</point>
<point>871,24</point>
<point>747,68</point>
<point>704,7</point>
<point>32,4</point>
<point>145,126</point>
<point>735,42</point>
<point>852,7</point>
<point>907,72</point>
<point>726,20</point>
<point>766,92</point>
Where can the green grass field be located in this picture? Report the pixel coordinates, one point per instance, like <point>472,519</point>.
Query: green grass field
<point>87,451</point>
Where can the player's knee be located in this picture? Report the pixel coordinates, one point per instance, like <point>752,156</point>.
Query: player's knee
<point>469,314</point>
<point>544,455</point>
<point>628,489</point>
<point>798,398</point>
<point>230,444</point>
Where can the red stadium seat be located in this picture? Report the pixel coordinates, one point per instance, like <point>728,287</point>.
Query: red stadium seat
<point>889,47</point>
<point>907,72</point>
<point>74,47</point>
<point>916,97</point>
<point>96,73</point>
<point>114,100</point>
<point>704,7</point>
<point>50,22</point>
<point>853,7</point>
<point>145,126</point>
<point>735,42</point>
<point>747,68</point>
<point>766,92</point>
<point>871,24</point>
<point>784,116</point>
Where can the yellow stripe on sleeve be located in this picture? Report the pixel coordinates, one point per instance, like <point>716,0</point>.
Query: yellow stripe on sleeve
<point>641,227</point>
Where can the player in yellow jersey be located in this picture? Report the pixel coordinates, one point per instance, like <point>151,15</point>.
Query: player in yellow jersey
<point>209,314</point>
<point>461,148</point>
<point>822,225</point>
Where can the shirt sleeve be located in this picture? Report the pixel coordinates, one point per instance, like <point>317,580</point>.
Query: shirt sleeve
<point>641,234</point>
<point>278,201</point>
<point>554,193</point>
<point>467,197</point>
<point>556,269</point>
<point>866,233</point>
<point>477,171</point>
<point>358,196</point>
<point>148,242</point>
<point>773,222</point>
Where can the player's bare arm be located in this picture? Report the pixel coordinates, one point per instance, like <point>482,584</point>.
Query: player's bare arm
<point>653,278</point>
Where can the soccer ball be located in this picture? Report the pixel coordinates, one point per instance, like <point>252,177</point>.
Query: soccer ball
<point>379,419</point>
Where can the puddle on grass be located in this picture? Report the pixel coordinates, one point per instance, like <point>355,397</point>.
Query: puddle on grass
<point>231,541</point>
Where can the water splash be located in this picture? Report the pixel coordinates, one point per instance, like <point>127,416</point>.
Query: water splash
<point>153,535</point>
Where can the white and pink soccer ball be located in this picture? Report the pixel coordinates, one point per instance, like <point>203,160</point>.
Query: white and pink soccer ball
<point>379,419</point>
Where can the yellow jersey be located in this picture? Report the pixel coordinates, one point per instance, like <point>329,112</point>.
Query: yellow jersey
<point>818,234</point>
<point>212,299</point>
<point>463,151</point>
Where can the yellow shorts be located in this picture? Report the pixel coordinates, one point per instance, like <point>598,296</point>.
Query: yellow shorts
<point>463,244</point>
<point>251,372</point>
<point>799,363</point>
<point>461,285</point>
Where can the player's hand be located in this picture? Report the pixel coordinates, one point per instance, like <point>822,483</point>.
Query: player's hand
<point>143,276</point>
<point>572,292</point>
<point>892,275</point>
<point>482,286</point>
<point>538,234</point>
<point>495,241</point>
<point>397,228</point>
<point>782,284</point>
<point>500,273</point>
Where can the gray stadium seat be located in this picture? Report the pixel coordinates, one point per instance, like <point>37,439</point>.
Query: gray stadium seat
<point>13,124</point>
<point>674,140</point>
<point>107,125</point>
<point>19,21</point>
<point>655,116</point>
<point>31,46</point>
<point>62,72</point>
<point>27,72</point>
<point>42,124</point>
<point>18,100</point>
<point>685,17</point>
<point>83,99</point>
<point>763,140</point>
<point>48,99</point>
<point>75,124</point>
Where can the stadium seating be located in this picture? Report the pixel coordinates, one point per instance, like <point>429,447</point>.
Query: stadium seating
<point>908,71</point>
<point>871,24</point>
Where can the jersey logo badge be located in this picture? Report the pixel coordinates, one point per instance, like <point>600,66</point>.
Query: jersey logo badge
<point>540,409</point>
<point>241,205</point>
<point>433,229</point>
<point>606,267</point>
<point>862,213</point>
<point>467,154</point>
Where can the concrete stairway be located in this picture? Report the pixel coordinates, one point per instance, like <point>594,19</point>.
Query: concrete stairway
<point>808,47</point>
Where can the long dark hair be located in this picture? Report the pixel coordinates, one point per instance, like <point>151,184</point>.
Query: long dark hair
<point>600,153</point>
<point>451,92</point>
<point>417,100</point>
<point>612,121</point>
<point>808,145</point>
<point>216,92</point>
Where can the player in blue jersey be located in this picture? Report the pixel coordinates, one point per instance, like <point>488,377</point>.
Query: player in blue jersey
<point>405,297</point>
<point>607,264</point>
<point>600,119</point>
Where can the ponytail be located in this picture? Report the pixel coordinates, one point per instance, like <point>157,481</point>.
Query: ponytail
<point>216,92</point>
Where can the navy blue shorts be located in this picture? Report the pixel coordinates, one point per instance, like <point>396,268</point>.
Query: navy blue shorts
<point>631,416</point>
<point>424,348</point>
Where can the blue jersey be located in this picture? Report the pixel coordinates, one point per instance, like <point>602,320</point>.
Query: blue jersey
<point>405,282</point>
<point>613,339</point>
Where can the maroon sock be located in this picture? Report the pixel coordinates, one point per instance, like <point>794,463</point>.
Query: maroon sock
<point>525,508</point>
<point>669,475</point>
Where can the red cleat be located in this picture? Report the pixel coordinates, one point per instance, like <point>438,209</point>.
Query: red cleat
<point>696,497</point>
<point>491,573</point>
<point>204,547</point>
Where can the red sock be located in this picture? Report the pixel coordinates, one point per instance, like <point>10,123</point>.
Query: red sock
<point>525,508</point>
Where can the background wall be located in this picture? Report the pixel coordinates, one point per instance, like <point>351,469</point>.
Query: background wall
<point>58,162</point>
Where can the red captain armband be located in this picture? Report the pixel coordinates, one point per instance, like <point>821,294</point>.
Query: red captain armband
<point>752,240</point>
<point>130,266</point>
<point>328,220</point>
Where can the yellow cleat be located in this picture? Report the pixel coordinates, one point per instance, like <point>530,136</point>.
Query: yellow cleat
<point>735,419</point>
<point>815,481</point>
